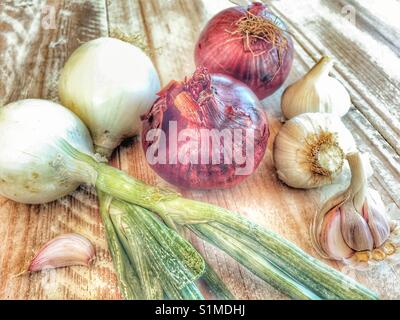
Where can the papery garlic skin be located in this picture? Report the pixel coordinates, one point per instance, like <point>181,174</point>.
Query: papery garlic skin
<point>354,228</point>
<point>109,84</point>
<point>378,221</point>
<point>65,250</point>
<point>310,149</point>
<point>34,166</point>
<point>357,228</point>
<point>331,238</point>
<point>316,92</point>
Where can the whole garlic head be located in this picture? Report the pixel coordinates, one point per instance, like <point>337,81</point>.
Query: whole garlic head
<point>354,226</point>
<point>316,92</point>
<point>310,150</point>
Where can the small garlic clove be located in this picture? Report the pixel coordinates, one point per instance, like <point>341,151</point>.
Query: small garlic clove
<point>375,214</point>
<point>65,250</point>
<point>331,238</point>
<point>355,229</point>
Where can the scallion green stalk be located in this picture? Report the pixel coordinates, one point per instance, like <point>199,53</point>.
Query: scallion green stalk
<point>216,285</point>
<point>288,260</point>
<point>256,264</point>
<point>314,274</point>
<point>128,280</point>
<point>164,263</point>
<point>172,257</point>
<point>264,252</point>
<point>132,240</point>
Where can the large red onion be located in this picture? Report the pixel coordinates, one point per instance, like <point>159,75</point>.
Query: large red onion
<point>251,45</point>
<point>186,119</point>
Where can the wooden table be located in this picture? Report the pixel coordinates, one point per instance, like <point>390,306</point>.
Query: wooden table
<point>36,38</point>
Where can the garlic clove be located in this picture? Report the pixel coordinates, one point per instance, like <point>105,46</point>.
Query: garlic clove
<point>293,103</point>
<point>355,229</point>
<point>375,214</point>
<point>65,250</point>
<point>331,238</point>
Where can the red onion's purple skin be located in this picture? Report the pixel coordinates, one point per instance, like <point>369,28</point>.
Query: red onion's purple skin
<point>214,102</point>
<point>220,51</point>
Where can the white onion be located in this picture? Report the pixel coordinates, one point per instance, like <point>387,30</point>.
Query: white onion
<point>109,84</point>
<point>34,165</point>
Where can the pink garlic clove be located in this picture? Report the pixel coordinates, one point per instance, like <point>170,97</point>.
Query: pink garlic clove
<point>331,238</point>
<point>69,249</point>
<point>375,213</point>
<point>355,229</point>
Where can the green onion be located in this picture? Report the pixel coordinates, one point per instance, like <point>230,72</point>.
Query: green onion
<point>288,258</point>
<point>265,253</point>
<point>256,264</point>
<point>162,262</point>
<point>178,261</point>
<point>132,240</point>
<point>128,280</point>
<point>216,285</point>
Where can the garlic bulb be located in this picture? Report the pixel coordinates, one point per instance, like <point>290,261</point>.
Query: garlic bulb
<point>354,226</point>
<point>69,249</point>
<point>310,150</point>
<point>109,84</point>
<point>316,92</point>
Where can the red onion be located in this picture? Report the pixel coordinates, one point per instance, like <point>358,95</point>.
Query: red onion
<point>250,45</point>
<point>205,132</point>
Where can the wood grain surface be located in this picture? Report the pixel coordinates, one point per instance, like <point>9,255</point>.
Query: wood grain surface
<point>36,38</point>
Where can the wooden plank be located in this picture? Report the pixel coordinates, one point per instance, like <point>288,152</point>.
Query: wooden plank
<point>381,22</point>
<point>170,29</point>
<point>34,47</point>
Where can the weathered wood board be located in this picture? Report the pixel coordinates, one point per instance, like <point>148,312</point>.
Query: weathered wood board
<point>36,37</point>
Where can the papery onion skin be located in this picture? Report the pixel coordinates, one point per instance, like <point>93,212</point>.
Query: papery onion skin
<point>222,50</point>
<point>109,84</point>
<point>236,107</point>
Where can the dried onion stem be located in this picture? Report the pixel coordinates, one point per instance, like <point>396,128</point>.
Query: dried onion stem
<point>253,28</point>
<point>136,39</point>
